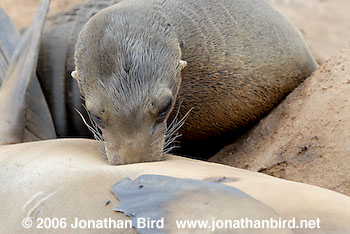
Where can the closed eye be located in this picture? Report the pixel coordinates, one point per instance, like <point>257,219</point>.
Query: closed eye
<point>98,121</point>
<point>164,111</point>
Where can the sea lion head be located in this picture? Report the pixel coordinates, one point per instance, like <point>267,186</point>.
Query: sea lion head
<point>128,70</point>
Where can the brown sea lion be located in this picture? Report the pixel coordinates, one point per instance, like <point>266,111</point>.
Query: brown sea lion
<point>242,58</point>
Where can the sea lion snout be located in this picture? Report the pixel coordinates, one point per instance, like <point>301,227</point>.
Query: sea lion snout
<point>128,156</point>
<point>122,152</point>
<point>126,148</point>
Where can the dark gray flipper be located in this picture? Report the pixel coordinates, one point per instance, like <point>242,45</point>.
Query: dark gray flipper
<point>155,197</point>
<point>14,89</point>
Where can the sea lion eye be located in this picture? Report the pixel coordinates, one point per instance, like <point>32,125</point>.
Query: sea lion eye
<point>164,110</point>
<point>98,121</point>
<point>162,113</point>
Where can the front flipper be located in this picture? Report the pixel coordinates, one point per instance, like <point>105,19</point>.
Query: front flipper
<point>158,204</point>
<point>14,88</point>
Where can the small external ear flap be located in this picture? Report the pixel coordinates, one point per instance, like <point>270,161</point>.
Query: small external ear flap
<point>74,74</point>
<point>183,64</point>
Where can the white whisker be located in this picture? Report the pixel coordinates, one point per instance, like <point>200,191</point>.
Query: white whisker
<point>93,129</point>
<point>171,134</point>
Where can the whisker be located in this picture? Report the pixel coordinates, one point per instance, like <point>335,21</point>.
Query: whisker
<point>175,117</point>
<point>93,129</point>
<point>174,126</point>
<point>171,140</point>
<point>178,124</point>
<point>102,150</point>
<point>170,149</point>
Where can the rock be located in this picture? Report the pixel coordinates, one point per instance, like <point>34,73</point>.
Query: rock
<point>306,138</point>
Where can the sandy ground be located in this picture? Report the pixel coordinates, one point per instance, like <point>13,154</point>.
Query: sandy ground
<point>325,24</point>
<point>22,11</point>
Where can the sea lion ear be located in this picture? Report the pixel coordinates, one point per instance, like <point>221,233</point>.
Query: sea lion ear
<point>74,74</point>
<point>183,64</point>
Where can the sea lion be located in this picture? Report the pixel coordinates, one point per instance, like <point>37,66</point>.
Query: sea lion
<point>242,58</point>
<point>67,178</point>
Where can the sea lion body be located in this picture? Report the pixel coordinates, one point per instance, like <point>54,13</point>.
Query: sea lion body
<point>242,58</point>
<point>67,178</point>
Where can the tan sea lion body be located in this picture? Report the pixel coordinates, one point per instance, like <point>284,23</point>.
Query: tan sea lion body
<point>242,58</point>
<point>67,179</point>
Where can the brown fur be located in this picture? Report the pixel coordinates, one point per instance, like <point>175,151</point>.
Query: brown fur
<point>243,58</point>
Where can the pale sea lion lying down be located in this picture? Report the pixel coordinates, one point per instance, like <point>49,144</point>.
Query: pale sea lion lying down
<point>68,178</point>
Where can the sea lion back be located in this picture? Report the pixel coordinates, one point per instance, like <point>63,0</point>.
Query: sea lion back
<point>243,57</point>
